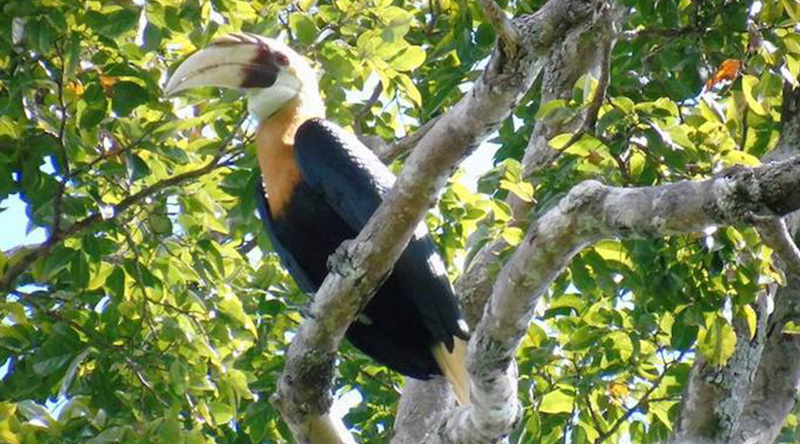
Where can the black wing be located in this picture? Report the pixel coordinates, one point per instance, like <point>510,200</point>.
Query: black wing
<point>353,181</point>
<point>300,276</point>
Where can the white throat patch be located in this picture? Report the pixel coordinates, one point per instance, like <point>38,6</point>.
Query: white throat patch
<point>264,102</point>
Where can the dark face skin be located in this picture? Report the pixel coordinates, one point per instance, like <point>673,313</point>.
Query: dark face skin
<point>264,67</point>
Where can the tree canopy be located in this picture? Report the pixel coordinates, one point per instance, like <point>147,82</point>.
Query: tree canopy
<point>157,311</point>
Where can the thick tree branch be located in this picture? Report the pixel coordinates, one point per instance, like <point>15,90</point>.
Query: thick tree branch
<point>583,44</point>
<point>584,48</point>
<point>422,408</point>
<point>590,212</point>
<point>711,411</point>
<point>774,387</point>
<point>304,390</point>
<point>714,396</point>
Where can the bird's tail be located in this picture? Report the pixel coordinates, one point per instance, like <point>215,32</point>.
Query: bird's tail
<point>326,429</point>
<point>454,367</point>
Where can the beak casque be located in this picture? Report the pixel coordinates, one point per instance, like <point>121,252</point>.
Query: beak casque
<point>233,61</point>
<point>269,73</point>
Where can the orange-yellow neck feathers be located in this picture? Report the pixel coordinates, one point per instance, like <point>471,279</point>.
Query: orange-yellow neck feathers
<point>275,151</point>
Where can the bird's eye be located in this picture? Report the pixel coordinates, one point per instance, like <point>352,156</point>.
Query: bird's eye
<point>281,58</point>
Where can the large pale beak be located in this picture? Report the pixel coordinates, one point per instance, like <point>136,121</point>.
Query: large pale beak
<point>233,61</point>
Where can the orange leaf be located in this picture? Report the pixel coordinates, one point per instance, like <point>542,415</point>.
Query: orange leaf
<point>108,81</point>
<point>618,390</point>
<point>75,87</point>
<point>728,70</point>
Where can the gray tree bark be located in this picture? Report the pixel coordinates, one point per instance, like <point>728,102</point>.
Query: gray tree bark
<point>501,306</point>
<point>748,399</point>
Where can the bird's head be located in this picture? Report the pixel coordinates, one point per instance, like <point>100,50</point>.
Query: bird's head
<point>270,73</point>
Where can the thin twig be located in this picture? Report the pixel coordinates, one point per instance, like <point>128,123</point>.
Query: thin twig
<point>624,418</point>
<point>15,270</point>
<point>116,151</point>
<point>389,153</point>
<point>64,163</point>
<point>367,107</point>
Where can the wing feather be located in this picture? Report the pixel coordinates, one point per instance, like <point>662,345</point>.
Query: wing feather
<point>300,276</point>
<point>353,181</point>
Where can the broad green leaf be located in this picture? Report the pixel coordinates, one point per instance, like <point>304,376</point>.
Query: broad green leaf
<point>221,412</point>
<point>613,251</point>
<point>513,236</point>
<point>749,83</point>
<point>717,341</point>
<point>303,27</point>
<point>557,401</point>
<point>408,59</point>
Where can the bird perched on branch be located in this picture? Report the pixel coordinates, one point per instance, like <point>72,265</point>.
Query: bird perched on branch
<point>322,185</point>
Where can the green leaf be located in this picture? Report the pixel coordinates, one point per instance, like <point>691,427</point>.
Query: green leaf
<point>232,306</point>
<point>114,23</point>
<point>624,104</point>
<point>57,351</point>
<point>621,342</point>
<point>584,337</point>
<point>238,381</point>
<point>551,108</point>
<point>556,402</point>
<point>751,318</point>
<point>749,83</point>
<point>410,88</point>
<point>221,412</point>
<point>513,236</point>
<point>56,261</point>
<point>126,96</point>
<point>410,58</point>
<point>717,341</point>
<point>612,250</point>
<point>683,336</point>
<point>304,28</point>
<point>523,190</point>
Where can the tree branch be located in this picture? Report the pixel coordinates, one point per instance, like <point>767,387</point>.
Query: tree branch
<point>303,395</point>
<point>583,48</point>
<point>584,36</point>
<point>21,265</point>
<point>389,152</point>
<point>775,234</point>
<point>714,396</point>
<point>591,212</point>
<point>774,388</point>
<point>644,399</point>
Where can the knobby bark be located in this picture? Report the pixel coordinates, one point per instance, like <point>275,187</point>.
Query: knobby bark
<point>747,400</point>
<point>590,212</point>
<point>581,45</point>
<point>303,394</point>
<point>422,409</point>
<point>774,388</point>
<point>584,48</point>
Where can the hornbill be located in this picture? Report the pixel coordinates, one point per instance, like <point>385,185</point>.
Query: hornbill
<point>322,185</point>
